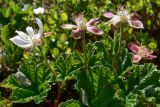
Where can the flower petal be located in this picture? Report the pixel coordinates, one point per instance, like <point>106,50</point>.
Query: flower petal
<point>23,43</point>
<point>30,31</point>
<point>69,26</point>
<point>115,20</point>
<point>147,51</point>
<point>133,47</point>
<point>23,35</point>
<point>40,25</point>
<point>93,21</point>
<point>151,57</point>
<point>136,58</point>
<point>94,30</point>
<point>136,24</point>
<point>134,16</point>
<point>77,33</point>
<point>108,14</point>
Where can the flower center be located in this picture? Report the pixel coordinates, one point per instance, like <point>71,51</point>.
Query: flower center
<point>36,41</point>
<point>82,24</point>
<point>124,18</point>
<point>80,21</point>
<point>124,14</point>
<point>141,52</point>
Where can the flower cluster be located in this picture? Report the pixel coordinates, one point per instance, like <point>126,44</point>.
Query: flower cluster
<point>30,39</point>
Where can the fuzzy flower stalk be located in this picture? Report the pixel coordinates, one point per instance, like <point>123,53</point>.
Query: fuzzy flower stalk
<point>140,52</point>
<point>123,16</point>
<point>82,25</point>
<point>30,39</point>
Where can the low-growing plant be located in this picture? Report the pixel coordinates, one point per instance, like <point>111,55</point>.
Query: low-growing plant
<point>108,70</point>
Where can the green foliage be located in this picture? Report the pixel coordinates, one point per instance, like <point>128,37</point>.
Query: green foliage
<point>65,67</point>
<point>5,34</point>
<point>110,79</point>
<point>70,103</point>
<point>142,84</point>
<point>32,80</point>
<point>5,102</point>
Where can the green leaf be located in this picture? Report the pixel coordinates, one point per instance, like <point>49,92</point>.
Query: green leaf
<point>66,66</point>
<point>5,102</point>
<point>14,7</point>
<point>7,12</point>
<point>131,100</point>
<point>71,103</point>
<point>32,80</point>
<point>97,87</point>
<point>141,83</point>
<point>5,34</point>
<point>64,16</point>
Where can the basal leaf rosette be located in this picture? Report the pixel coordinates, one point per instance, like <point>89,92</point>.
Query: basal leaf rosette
<point>140,83</point>
<point>31,82</point>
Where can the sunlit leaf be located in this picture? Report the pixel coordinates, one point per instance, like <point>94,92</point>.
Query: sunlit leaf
<point>32,80</point>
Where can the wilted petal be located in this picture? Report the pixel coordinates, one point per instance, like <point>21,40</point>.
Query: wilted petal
<point>30,31</point>
<point>108,14</point>
<point>151,57</point>
<point>136,58</point>
<point>133,47</point>
<point>94,30</point>
<point>76,33</point>
<point>69,26</point>
<point>136,24</point>
<point>93,21</point>
<point>23,43</point>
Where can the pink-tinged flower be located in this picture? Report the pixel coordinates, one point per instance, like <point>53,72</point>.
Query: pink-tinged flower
<point>123,16</point>
<point>82,25</point>
<point>140,52</point>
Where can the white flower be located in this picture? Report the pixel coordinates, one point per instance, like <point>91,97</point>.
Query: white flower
<point>30,39</point>
<point>39,10</point>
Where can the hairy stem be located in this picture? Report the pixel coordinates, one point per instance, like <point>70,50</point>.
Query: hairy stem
<point>120,40</point>
<point>85,50</point>
<point>46,61</point>
<point>59,94</point>
<point>49,103</point>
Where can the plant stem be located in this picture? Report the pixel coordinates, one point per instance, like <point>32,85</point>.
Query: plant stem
<point>85,50</point>
<point>59,94</point>
<point>49,103</point>
<point>46,61</point>
<point>120,40</point>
